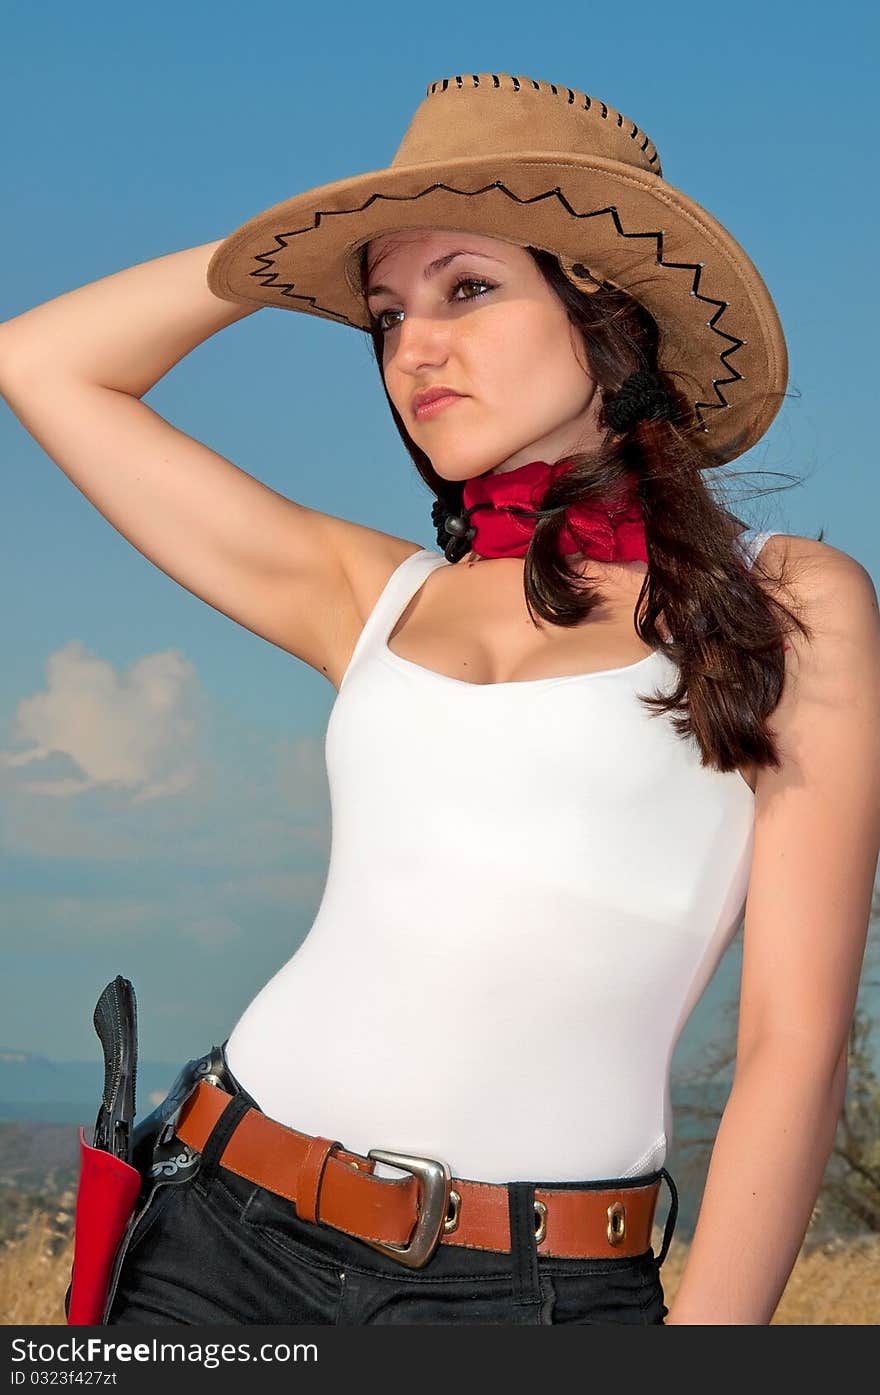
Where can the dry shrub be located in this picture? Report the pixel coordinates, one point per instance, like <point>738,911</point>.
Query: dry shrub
<point>35,1267</point>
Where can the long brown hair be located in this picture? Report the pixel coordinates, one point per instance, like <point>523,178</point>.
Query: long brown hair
<point>727,631</point>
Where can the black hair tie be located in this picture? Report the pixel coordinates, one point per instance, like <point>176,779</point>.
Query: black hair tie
<point>641,396</point>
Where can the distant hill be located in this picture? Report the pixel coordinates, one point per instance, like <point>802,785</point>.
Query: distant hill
<point>40,1090</point>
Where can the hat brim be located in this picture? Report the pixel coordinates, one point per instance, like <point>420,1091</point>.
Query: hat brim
<point>721,337</point>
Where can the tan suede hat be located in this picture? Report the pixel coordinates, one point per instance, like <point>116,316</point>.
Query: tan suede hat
<point>537,164</point>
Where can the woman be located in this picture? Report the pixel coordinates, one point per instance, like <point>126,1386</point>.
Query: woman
<point>555,788</point>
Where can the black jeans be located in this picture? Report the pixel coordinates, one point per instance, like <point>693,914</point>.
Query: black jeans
<point>209,1247</point>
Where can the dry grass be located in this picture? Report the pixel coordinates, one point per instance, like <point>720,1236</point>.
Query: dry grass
<point>833,1285</point>
<point>35,1268</point>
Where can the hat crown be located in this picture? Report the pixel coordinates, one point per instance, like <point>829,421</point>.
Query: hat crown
<point>498,114</point>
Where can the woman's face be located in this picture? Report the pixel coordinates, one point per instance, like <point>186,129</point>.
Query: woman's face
<point>502,340</point>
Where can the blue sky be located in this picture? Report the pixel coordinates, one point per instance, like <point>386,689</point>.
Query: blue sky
<point>188,851</point>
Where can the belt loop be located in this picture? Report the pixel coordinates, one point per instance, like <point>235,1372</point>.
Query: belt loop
<point>523,1247</point>
<point>671,1217</point>
<point>217,1140</point>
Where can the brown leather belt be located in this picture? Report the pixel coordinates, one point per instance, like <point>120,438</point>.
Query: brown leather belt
<point>408,1217</point>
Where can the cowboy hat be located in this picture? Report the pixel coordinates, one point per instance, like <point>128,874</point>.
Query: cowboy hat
<point>541,165</point>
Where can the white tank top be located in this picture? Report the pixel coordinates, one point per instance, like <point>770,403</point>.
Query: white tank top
<point>499,978</point>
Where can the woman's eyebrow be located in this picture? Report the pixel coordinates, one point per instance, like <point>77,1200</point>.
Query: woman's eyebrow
<point>433,268</point>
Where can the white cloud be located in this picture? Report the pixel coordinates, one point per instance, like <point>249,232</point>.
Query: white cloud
<point>130,730</point>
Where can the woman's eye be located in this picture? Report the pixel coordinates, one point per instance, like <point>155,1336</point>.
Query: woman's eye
<point>379,320</point>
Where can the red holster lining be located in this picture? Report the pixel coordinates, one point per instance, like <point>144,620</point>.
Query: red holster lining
<point>105,1201</point>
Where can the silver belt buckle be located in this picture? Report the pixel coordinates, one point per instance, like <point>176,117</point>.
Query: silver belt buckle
<point>435,1178</point>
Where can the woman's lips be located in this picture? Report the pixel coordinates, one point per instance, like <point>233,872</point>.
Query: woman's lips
<point>431,409</point>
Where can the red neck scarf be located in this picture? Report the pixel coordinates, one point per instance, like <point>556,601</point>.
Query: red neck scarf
<point>608,531</point>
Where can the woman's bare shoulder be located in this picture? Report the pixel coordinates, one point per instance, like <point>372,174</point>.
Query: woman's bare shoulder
<point>802,562</point>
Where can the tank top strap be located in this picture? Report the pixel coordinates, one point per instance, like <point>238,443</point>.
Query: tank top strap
<point>750,541</point>
<point>398,590</point>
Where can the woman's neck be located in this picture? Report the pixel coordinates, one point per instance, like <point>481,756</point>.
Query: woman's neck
<point>575,560</point>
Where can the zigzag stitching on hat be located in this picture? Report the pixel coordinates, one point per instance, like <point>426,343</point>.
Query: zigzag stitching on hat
<point>286,288</point>
<point>573,93</point>
<point>267,278</point>
<point>734,343</point>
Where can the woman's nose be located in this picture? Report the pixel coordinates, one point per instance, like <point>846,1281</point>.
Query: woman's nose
<point>421,339</point>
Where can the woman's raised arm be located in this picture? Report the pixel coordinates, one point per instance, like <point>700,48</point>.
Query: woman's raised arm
<point>126,330</point>
<point>73,370</point>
